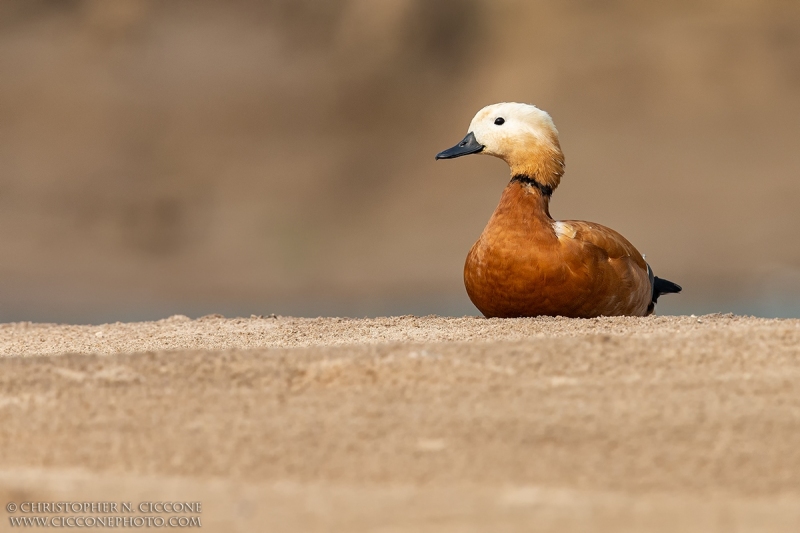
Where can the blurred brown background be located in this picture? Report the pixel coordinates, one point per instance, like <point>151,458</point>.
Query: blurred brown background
<point>277,157</point>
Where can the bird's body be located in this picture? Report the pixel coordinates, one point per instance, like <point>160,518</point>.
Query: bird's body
<point>527,264</point>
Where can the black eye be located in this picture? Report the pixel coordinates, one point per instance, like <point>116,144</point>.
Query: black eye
<point>499,121</point>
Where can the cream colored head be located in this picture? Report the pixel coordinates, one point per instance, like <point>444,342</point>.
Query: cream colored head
<point>522,135</point>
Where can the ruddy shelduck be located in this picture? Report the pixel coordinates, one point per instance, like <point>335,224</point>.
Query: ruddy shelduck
<point>527,264</point>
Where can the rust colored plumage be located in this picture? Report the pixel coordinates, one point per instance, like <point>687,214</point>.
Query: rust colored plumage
<point>520,266</point>
<point>527,264</point>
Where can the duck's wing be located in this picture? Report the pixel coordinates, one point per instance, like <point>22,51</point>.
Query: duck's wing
<point>620,284</point>
<point>621,254</point>
<point>608,241</point>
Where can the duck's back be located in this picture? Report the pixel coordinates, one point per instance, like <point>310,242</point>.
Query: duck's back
<point>526,264</point>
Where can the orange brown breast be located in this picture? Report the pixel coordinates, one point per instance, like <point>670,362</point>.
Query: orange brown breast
<point>527,264</point>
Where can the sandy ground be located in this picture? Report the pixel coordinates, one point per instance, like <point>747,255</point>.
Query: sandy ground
<point>412,424</point>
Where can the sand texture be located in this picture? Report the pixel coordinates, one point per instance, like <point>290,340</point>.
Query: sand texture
<point>412,423</point>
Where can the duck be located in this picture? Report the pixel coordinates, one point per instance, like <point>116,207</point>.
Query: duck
<point>527,264</point>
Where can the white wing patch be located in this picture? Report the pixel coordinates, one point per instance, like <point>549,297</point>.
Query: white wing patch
<point>563,229</point>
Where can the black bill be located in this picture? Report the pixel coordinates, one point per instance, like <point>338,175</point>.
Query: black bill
<point>467,146</point>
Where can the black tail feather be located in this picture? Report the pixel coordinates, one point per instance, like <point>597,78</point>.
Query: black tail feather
<point>663,286</point>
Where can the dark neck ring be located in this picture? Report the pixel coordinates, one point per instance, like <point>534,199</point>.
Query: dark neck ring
<point>546,190</point>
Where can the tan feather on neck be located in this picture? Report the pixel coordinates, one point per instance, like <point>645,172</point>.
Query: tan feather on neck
<point>537,158</point>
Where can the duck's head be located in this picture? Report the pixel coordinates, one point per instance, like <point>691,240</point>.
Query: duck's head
<point>522,135</point>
